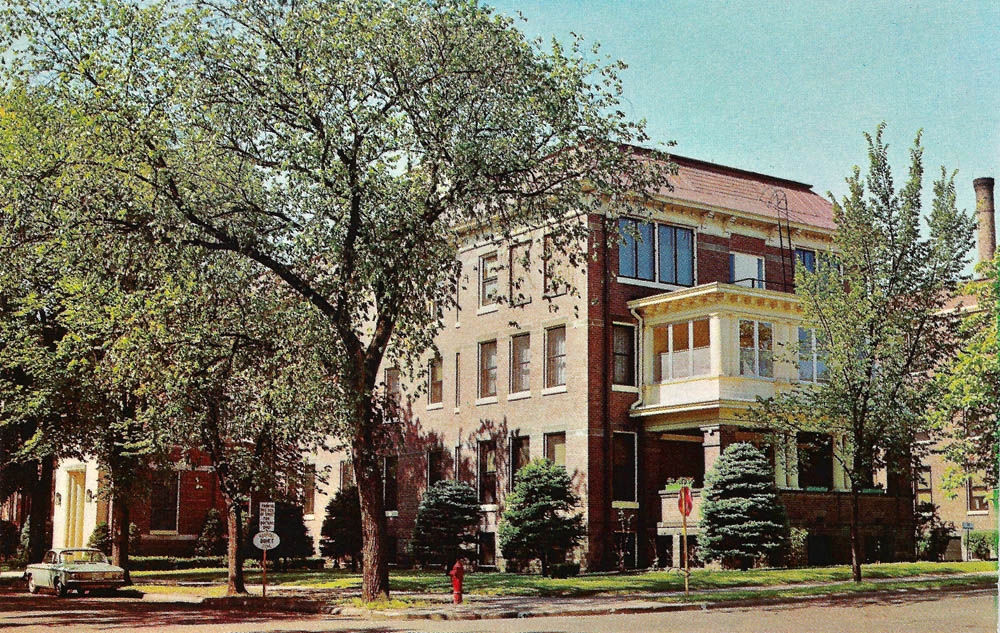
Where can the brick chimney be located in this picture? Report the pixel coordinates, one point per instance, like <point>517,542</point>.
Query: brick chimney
<point>985,218</point>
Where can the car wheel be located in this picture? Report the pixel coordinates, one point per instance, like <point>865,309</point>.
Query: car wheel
<point>32,587</point>
<point>59,588</point>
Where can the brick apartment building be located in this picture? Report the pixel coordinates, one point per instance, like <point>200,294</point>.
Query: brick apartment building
<point>632,376</point>
<point>635,377</point>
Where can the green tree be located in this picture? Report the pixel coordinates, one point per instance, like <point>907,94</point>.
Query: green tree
<point>212,538</point>
<point>539,519</point>
<point>742,518</point>
<point>448,512</point>
<point>344,147</point>
<point>967,413</point>
<point>876,304</point>
<point>340,535</point>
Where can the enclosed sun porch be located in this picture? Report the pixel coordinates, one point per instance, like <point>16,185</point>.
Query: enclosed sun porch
<point>705,354</point>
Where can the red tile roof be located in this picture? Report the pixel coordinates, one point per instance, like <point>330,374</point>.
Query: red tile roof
<point>724,187</point>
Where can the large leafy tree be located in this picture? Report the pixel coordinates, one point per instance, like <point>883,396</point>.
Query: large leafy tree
<point>876,305</point>
<point>539,520</point>
<point>742,519</point>
<point>343,147</point>
<point>968,411</point>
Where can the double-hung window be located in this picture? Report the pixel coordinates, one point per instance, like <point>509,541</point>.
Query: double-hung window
<point>520,363</point>
<point>624,355</point>
<point>520,257</point>
<point>555,356</point>
<point>488,369</point>
<point>488,279</point>
<point>812,357</point>
<point>807,258</point>
<point>555,448</point>
<point>435,381</point>
<point>756,348</point>
<point>623,486</point>
<point>164,502</point>
<point>656,252</point>
<point>487,472</point>
<point>520,455</point>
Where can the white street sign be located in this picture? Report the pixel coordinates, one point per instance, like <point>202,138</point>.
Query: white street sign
<point>266,516</point>
<point>266,540</point>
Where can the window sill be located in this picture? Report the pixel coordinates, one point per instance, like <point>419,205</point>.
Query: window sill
<point>487,309</point>
<point>488,507</point>
<point>625,388</point>
<point>163,533</point>
<point>519,395</point>
<point>977,513</point>
<point>309,517</point>
<point>434,406</point>
<point>651,284</point>
<point>457,410</point>
<point>625,505</point>
<point>548,391</point>
<point>489,400</point>
<point>392,513</point>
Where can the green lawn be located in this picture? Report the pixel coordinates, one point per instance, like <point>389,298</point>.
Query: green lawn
<point>587,584</point>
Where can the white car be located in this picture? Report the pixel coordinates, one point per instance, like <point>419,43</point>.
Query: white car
<point>79,569</point>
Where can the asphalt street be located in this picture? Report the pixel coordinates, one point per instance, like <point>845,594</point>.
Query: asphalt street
<point>954,612</point>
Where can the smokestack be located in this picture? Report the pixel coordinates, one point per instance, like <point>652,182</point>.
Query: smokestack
<point>985,218</point>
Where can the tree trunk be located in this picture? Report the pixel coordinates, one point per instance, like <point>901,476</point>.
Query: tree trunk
<point>855,535</point>
<point>120,534</point>
<point>234,549</point>
<point>40,512</point>
<point>375,566</point>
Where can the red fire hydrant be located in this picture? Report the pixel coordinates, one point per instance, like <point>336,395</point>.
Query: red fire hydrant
<point>457,573</point>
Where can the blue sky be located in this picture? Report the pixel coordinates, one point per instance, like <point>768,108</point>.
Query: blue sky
<point>787,88</point>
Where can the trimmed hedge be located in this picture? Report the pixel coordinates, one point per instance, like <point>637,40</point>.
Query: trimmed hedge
<point>982,544</point>
<point>170,563</point>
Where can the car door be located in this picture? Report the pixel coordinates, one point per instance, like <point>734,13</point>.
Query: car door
<point>43,577</point>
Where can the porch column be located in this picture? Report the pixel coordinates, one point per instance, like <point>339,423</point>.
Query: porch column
<point>712,443</point>
<point>792,457</point>
<point>715,345</point>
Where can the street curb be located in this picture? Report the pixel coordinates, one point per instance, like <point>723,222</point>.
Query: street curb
<point>645,608</point>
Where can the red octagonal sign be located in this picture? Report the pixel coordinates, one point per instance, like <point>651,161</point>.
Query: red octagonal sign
<point>684,501</point>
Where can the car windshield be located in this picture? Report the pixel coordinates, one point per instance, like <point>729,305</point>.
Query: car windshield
<point>80,556</point>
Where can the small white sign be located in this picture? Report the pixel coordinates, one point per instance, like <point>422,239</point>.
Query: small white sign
<point>266,516</point>
<point>266,540</point>
<point>967,525</point>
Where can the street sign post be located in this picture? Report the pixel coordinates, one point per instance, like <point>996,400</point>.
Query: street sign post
<point>685,503</point>
<point>266,538</point>
<point>968,527</point>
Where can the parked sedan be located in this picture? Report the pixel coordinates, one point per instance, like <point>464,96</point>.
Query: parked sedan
<point>80,569</point>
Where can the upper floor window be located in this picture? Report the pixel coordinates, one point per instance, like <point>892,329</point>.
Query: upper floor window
<point>812,357</point>
<point>435,466</point>
<point>435,381</point>
<point>977,497</point>
<point>458,380</point>
<point>623,368</point>
<point>520,258</point>
<point>309,490</point>
<point>392,385</point>
<point>555,356</point>
<point>488,369</point>
<point>923,492</point>
<point>807,258</point>
<point>746,270</point>
<point>682,350</point>
<point>346,474</point>
<point>756,348</point>
<point>656,252</point>
<point>488,279</point>
<point>520,363</point>
<point>555,268</point>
